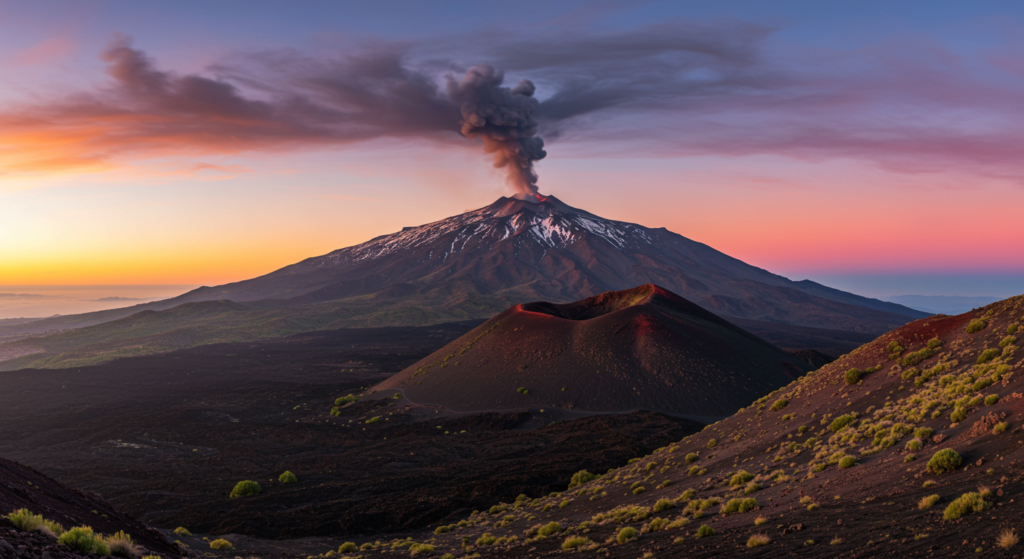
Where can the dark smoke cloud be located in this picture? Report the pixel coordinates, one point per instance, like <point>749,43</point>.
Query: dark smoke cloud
<point>671,89</point>
<point>503,118</point>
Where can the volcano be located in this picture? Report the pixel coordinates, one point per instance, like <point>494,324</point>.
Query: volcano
<point>468,267</point>
<point>642,348</point>
<point>519,250</point>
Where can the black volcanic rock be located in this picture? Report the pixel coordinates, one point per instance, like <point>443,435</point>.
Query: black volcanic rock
<point>643,348</point>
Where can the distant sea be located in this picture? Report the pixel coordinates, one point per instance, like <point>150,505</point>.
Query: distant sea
<point>38,301</point>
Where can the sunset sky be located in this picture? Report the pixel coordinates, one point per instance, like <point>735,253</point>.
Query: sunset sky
<point>874,146</point>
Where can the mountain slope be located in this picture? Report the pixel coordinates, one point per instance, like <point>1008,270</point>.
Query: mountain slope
<point>523,250</point>
<point>643,348</point>
<point>836,464</point>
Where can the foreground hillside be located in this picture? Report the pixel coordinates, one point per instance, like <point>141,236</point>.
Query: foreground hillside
<point>910,446</point>
<point>24,489</point>
<point>641,348</point>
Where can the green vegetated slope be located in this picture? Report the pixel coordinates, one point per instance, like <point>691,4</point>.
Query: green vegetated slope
<point>194,324</point>
<point>911,445</point>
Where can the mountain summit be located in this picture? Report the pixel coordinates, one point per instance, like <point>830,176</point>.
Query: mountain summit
<point>515,250</point>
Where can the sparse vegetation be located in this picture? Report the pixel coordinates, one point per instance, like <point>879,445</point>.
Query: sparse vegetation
<point>122,545</point>
<point>758,540</point>
<point>964,505</point>
<point>740,478</point>
<point>976,325</point>
<point>576,542</point>
<point>549,529</point>
<point>245,489</point>
<point>779,404</point>
<point>839,423</point>
<point>705,531</point>
<point>739,505</point>
<point>853,376</point>
<point>626,534</point>
<point>372,420</point>
<point>350,399</point>
<point>847,462</point>
<point>287,477</point>
<point>182,531</point>
<point>420,548</point>
<point>25,520</point>
<point>988,355</point>
<point>522,390</point>
<point>945,460</point>
<point>348,547</point>
<point>692,457</point>
<point>927,502</point>
<point>84,540</point>
<point>1007,538</point>
<point>221,545</point>
<point>581,477</point>
<point>663,505</point>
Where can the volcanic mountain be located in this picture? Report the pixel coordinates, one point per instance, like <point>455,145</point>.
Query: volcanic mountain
<point>469,266</point>
<point>643,348</point>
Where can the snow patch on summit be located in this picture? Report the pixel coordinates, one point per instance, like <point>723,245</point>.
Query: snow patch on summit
<point>553,229</point>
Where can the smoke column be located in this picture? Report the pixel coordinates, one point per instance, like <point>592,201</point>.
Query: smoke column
<point>503,118</point>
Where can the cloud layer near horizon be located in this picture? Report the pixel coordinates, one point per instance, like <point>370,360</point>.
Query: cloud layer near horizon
<point>678,88</point>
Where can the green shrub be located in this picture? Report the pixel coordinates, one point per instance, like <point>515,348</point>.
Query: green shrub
<point>909,458</point>
<point>287,477</point>
<point>1008,340</point>
<point>581,477</point>
<point>692,457</point>
<point>740,478</point>
<point>895,349</point>
<point>626,534</point>
<point>923,432</point>
<point>497,509</point>
<point>663,505</point>
<point>122,545</point>
<point>182,531</point>
<point>486,539</point>
<point>550,529</point>
<point>847,462</point>
<point>758,540</point>
<point>779,404</point>
<point>711,443</point>
<point>913,445</point>
<point>694,471</point>
<point>841,422</point>
<point>350,399</point>
<point>25,520</point>
<point>564,504</point>
<point>245,488</point>
<point>522,390</point>
<point>988,355</point>
<point>83,540</point>
<point>934,343</point>
<point>739,505</point>
<point>705,531</point>
<point>991,399</point>
<point>575,542</point>
<point>418,548</point>
<point>964,505</point>
<point>348,547</point>
<point>976,325</point>
<point>221,545</point>
<point>999,428</point>
<point>927,502</point>
<point>945,460</point>
<point>958,415</point>
<point>372,420</point>
<point>639,490</point>
<point>442,529</point>
<point>853,376</point>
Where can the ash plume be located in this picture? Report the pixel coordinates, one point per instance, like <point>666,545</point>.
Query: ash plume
<point>503,118</point>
